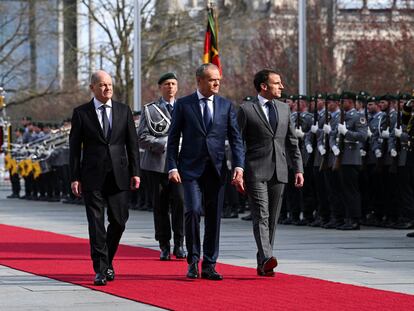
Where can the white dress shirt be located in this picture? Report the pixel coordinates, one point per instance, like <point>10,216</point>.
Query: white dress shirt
<point>263,103</point>
<point>108,111</point>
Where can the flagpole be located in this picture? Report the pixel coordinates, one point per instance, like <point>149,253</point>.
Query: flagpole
<point>302,47</point>
<point>137,55</point>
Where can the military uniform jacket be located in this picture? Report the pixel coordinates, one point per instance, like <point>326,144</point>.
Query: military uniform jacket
<point>153,137</point>
<point>310,138</point>
<point>383,143</point>
<point>357,133</point>
<point>404,140</point>
<point>373,143</point>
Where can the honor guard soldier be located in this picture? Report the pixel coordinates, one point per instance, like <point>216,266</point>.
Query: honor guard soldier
<point>311,142</point>
<point>351,132</point>
<point>372,215</point>
<point>408,120</point>
<point>332,177</point>
<point>399,142</point>
<point>153,137</point>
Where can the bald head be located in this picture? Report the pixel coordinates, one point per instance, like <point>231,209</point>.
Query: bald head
<point>101,86</point>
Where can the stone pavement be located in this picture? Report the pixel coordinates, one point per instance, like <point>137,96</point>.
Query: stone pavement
<point>373,257</point>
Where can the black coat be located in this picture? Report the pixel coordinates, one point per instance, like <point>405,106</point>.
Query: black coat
<point>90,152</point>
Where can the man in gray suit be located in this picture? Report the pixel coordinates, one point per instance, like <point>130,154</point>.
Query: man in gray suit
<point>268,133</point>
<point>153,136</point>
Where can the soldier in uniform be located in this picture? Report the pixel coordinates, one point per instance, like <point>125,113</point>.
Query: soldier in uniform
<point>399,144</point>
<point>153,136</point>
<point>332,177</point>
<point>385,160</point>
<point>408,120</point>
<point>372,212</point>
<point>311,142</point>
<point>300,199</point>
<point>353,131</point>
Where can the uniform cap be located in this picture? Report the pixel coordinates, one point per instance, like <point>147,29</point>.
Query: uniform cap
<point>167,76</point>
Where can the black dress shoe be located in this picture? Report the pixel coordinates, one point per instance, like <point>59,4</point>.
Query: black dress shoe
<point>269,264</point>
<point>410,235</point>
<point>193,270</point>
<point>261,272</point>
<point>165,254</point>
<point>333,224</point>
<point>110,274</point>
<point>248,217</point>
<point>179,252</point>
<point>13,196</point>
<point>349,226</point>
<point>404,225</point>
<point>100,279</point>
<point>210,273</point>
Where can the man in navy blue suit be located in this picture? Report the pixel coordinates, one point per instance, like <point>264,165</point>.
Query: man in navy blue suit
<point>203,120</point>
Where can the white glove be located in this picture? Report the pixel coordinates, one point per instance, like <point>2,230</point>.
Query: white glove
<point>393,153</point>
<point>398,132</point>
<point>314,129</point>
<point>386,133</point>
<point>336,151</point>
<point>342,129</point>
<point>327,128</point>
<point>378,153</point>
<point>309,148</point>
<point>363,152</point>
<point>369,133</point>
<point>299,133</point>
<point>409,103</point>
<point>322,150</point>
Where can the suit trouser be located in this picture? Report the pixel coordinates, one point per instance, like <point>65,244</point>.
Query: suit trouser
<point>207,191</point>
<point>350,189</point>
<point>294,196</point>
<point>335,195</point>
<point>164,195</point>
<point>15,182</point>
<point>104,243</point>
<point>322,195</point>
<point>406,192</point>
<point>265,200</point>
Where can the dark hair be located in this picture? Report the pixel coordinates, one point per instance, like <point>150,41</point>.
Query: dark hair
<point>262,77</point>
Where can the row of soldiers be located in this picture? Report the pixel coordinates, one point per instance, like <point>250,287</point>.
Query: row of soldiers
<point>354,149</point>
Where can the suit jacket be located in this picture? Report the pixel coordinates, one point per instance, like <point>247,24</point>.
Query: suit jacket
<point>90,152</point>
<point>266,149</point>
<point>198,145</point>
<point>154,157</point>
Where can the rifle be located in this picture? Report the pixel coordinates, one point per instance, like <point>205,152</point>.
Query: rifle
<point>325,158</point>
<point>298,120</point>
<point>366,145</point>
<point>384,146</point>
<point>341,143</point>
<point>315,136</point>
<point>395,160</point>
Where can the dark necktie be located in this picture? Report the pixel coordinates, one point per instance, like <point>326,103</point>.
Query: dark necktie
<point>170,109</point>
<point>272,115</point>
<point>206,114</point>
<point>105,121</point>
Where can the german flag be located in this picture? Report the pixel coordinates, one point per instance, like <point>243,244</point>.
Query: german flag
<point>211,54</point>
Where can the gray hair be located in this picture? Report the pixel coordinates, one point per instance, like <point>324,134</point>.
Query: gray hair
<point>201,70</point>
<point>96,75</point>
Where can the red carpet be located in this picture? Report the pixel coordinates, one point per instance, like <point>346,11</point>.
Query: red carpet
<point>140,276</point>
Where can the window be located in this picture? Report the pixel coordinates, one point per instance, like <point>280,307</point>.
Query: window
<point>404,4</point>
<point>379,4</point>
<point>350,4</point>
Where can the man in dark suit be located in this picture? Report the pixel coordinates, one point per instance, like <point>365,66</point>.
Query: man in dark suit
<point>104,162</point>
<point>203,120</point>
<point>268,133</point>
<point>153,136</point>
